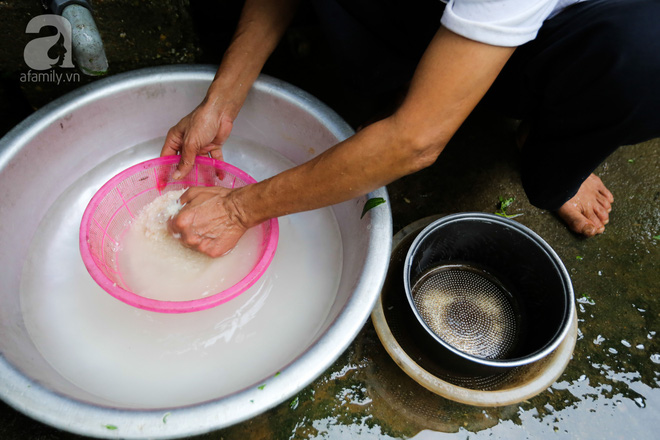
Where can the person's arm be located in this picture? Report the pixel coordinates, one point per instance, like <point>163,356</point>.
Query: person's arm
<point>204,130</point>
<point>452,77</point>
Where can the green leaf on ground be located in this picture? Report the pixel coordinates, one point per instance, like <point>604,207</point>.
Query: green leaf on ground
<point>503,204</point>
<point>294,403</point>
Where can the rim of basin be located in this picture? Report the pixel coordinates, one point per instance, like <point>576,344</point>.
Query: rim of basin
<point>69,414</point>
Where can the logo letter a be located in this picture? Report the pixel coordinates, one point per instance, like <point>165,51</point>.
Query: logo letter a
<point>36,51</point>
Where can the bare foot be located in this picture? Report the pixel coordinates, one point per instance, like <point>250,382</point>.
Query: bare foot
<point>587,212</point>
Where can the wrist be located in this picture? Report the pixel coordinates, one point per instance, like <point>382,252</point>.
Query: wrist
<point>241,212</point>
<point>226,96</point>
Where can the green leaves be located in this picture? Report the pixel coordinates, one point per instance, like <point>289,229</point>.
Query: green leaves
<point>371,204</point>
<point>294,403</point>
<point>503,205</point>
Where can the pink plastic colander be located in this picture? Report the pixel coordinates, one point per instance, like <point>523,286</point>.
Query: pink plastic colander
<point>111,210</point>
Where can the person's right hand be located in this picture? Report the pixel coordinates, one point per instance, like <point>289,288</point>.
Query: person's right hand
<point>209,221</point>
<point>202,132</point>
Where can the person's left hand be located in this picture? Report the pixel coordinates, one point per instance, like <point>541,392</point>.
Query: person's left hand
<point>202,132</point>
<point>209,221</point>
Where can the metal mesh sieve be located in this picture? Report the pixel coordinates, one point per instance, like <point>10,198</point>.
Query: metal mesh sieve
<point>469,309</point>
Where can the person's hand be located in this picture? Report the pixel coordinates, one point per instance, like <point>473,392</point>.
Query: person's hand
<point>202,132</point>
<point>209,221</point>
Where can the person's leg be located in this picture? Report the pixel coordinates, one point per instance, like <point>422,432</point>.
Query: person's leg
<point>588,84</point>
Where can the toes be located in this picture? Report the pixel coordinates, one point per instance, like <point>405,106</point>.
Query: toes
<point>605,205</point>
<point>604,192</point>
<point>581,222</point>
<point>591,225</point>
<point>596,222</point>
<point>587,212</point>
<point>589,230</point>
<point>602,212</point>
<point>601,189</point>
<point>603,200</point>
<point>577,221</point>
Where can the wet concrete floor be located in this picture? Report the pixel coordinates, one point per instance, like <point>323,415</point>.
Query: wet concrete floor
<point>611,387</point>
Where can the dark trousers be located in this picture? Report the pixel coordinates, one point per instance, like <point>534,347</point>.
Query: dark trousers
<point>589,82</point>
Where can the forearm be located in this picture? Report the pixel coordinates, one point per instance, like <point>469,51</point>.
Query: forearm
<point>260,27</point>
<point>452,77</point>
<point>349,169</point>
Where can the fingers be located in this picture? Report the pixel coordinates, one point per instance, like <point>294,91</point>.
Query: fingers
<point>186,163</point>
<point>183,226</point>
<point>173,142</point>
<point>195,141</point>
<point>205,227</point>
<point>214,149</point>
<point>188,198</point>
<point>202,131</point>
<point>224,130</point>
<point>197,195</point>
<point>214,248</point>
<point>216,154</point>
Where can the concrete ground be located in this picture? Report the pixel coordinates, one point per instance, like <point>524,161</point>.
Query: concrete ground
<point>609,390</point>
